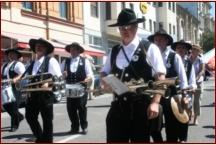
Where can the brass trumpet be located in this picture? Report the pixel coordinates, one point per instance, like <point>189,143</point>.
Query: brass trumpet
<point>163,84</point>
<point>55,89</point>
<point>165,93</point>
<point>18,84</point>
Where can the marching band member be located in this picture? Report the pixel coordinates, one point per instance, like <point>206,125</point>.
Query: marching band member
<point>13,70</point>
<point>182,48</point>
<point>130,113</point>
<point>41,101</point>
<point>174,67</point>
<point>77,69</point>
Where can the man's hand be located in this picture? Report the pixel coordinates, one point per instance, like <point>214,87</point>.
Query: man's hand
<point>64,74</point>
<point>184,102</point>
<point>153,110</point>
<point>45,85</point>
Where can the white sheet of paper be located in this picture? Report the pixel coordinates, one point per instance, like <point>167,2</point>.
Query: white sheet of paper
<point>116,84</point>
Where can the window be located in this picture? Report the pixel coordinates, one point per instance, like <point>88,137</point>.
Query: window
<point>111,44</point>
<point>108,10</point>
<point>27,5</point>
<point>154,4</point>
<point>122,5</point>
<point>63,9</point>
<point>160,4</point>
<point>170,31</point>
<point>169,3</point>
<point>154,25</point>
<point>95,41</point>
<point>131,6</point>
<point>160,25</point>
<point>150,25</point>
<point>148,2</point>
<point>173,7</point>
<point>94,9</point>
<point>173,29</point>
<point>144,24</point>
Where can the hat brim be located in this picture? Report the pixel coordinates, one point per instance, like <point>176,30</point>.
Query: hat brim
<point>33,42</point>
<point>151,38</point>
<point>67,48</point>
<point>14,50</point>
<point>173,46</point>
<point>139,20</point>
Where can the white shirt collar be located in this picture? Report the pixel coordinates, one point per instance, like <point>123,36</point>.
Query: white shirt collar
<point>134,43</point>
<point>166,52</point>
<point>40,60</point>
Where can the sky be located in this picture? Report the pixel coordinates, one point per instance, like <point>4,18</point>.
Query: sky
<point>212,10</point>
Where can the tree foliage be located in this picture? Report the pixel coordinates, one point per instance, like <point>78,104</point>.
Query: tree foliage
<point>207,40</point>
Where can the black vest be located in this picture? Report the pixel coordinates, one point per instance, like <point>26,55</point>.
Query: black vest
<point>188,66</point>
<point>77,76</point>
<point>11,72</point>
<point>170,69</point>
<point>43,69</point>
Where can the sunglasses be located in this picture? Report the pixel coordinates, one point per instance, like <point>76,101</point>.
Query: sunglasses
<point>125,27</point>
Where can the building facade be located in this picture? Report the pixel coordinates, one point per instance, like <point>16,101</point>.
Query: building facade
<point>201,11</point>
<point>187,26</point>
<point>61,23</point>
<point>98,15</point>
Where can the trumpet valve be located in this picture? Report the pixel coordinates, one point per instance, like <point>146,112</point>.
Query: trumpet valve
<point>61,79</point>
<point>54,78</point>
<point>62,88</point>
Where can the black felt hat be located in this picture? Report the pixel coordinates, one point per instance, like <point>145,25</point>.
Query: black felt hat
<point>74,44</point>
<point>127,17</point>
<point>161,32</point>
<point>33,42</point>
<point>173,46</point>
<point>14,50</point>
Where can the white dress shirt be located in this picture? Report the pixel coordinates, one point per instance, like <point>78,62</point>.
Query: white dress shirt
<point>74,65</point>
<point>53,68</point>
<point>192,79</point>
<point>179,68</point>
<point>121,61</point>
<point>196,65</point>
<point>19,68</point>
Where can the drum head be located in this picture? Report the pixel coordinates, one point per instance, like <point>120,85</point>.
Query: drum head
<point>179,113</point>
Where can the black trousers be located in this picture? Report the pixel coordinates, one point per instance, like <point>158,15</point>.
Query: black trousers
<point>13,110</point>
<point>127,122</point>
<point>41,103</point>
<point>183,131</point>
<point>76,108</point>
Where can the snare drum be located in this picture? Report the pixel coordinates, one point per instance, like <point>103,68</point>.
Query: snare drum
<point>75,90</point>
<point>7,94</point>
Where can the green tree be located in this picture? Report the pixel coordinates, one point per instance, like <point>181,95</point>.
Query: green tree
<point>207,40</point>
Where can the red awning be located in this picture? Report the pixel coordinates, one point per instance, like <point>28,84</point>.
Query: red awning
<point>88,50</point>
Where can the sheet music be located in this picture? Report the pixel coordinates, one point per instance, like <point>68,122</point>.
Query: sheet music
<point>118,86</point>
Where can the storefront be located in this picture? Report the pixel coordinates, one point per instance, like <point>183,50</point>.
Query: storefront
<point>19,41</point>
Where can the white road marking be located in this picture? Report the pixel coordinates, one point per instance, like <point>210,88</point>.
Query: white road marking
<point>68,139</point>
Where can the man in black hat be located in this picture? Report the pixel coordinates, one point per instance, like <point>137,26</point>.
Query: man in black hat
<point>182,48</point>
<point>77,69</point>
<point>13,70</point>
<point>130,113</point>
<point>174,68</point>
<point>41,101</point>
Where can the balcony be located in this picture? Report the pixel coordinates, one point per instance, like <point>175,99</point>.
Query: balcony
<point>111,30</point>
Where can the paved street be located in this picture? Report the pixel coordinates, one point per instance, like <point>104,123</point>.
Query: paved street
<point>97,110</point>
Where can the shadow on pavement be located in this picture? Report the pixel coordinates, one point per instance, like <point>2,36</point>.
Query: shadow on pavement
<point>209,89</point>
<point>209,126</point>
<point>210,136</point>
<point>99,106</point>
<point>210,105</point>
<point>20,136</point>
